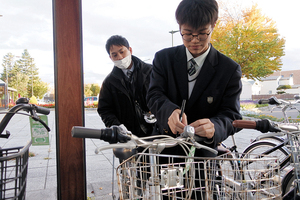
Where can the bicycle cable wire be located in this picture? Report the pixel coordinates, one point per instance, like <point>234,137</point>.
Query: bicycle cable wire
<point>22,113</point>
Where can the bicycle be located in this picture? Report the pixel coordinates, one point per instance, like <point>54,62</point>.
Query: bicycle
<point>284,106</point>
<point>292,158</point>
<point>14,161</point>
<point>143,176</point>
<point>273,143</point>
<point>236,163</point>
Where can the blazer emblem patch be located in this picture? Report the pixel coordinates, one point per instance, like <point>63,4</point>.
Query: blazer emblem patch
<point>210,100</point>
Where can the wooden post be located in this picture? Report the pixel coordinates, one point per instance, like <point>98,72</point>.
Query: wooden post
<point>69,111</point>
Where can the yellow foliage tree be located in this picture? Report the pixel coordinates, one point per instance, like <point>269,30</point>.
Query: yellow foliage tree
<point>251,40</point>
<point>91,89</point>
<point>87,90</point>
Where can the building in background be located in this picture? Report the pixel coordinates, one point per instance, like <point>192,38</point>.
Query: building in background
<point>268,86</point>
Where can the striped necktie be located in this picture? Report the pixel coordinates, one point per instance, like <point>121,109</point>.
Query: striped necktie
<point>192,68</point>
<point>129,74</point>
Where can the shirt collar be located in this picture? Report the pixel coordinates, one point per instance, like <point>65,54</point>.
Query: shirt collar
<point>200,59</point>
<point>131,69</point>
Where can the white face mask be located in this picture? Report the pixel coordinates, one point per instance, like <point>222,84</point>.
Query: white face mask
<point>124,63</point>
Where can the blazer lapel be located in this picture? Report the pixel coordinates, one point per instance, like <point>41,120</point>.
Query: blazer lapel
<point>180,70</point>
<point>205,76</point>
<point>119,75</point>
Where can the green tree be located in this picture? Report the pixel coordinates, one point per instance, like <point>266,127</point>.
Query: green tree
<point>27,66</point>
<point>7,64</point>
<point>35,86</point>
<point>19,82</point>
<point>23,75</point>
<point>95,88</point>
<point>251,39</point>
<point>40,88</point>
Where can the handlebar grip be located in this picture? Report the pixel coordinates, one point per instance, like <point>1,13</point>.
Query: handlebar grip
<point>82,132</point>
<point>263,101</point>
<point>271,101</point>
<point>42,110</point>
<point>244,124</point>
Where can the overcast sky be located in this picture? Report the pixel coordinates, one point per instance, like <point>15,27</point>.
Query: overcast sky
<point>146,25</point>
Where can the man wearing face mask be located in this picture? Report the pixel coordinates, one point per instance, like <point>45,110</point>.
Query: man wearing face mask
<point>122,98</point>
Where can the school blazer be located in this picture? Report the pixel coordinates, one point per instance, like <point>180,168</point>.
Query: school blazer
<point>215,95</point>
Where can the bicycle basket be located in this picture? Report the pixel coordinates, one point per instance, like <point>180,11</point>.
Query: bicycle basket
<point>194,178</point>
<point>248,177</point>
<point>14,167</point>
<point>294,146</point>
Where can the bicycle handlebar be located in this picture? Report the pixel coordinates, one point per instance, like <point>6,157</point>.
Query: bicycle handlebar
<point>129,140</point>
<point>271,101</point>
<point>265,125</point>
<point>82,132</point>
<point>280,103</point>
<point>275,101</point>
<point>23,105</point>
<point>42,110</point>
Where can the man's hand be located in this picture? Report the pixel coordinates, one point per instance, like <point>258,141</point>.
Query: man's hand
<point>120,133</point>
<point>204,128</point>
<point>174,123</point>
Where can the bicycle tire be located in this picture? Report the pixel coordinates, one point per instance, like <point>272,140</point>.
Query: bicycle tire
<point>256,149</point>
<point>251,149</point>
<point>287,183</point>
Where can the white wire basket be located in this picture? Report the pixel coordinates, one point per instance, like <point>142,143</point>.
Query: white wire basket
<point>294,146</point>
<point>183,177</point>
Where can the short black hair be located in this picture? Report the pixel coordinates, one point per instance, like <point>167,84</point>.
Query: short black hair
<point>197,13</point>
<point>116,40</point>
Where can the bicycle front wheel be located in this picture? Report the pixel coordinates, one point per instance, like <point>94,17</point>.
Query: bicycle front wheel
<point>288,182</point>
<point>258,150</point>
<point>261,147</point>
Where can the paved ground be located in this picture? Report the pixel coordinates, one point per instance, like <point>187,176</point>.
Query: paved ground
<point>276,112</point>
<point>41,182</point>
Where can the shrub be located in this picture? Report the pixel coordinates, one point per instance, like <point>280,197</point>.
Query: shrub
<point>48,105</point>
<point>261,105</point>
<point>270,117</point>
<point>10,105</point>
<point>280,92</point>
<point>248,106</point>
<point>283,87</point>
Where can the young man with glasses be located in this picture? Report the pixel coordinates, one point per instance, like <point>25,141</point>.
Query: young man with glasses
<point>195,72</point>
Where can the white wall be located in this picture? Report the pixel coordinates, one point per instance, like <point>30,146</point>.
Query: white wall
<point>246,91</point>
<point>269,87</point>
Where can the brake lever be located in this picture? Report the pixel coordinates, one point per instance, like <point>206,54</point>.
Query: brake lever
<point>6,135</point>
<point>195,143</point>
<point>36,118</point>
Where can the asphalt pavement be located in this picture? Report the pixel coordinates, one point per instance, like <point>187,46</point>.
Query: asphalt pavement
<point>276,112</point>
<point>41,180</point>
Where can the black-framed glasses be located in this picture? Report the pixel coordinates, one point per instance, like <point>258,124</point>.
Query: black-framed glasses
<point>201,36</point>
